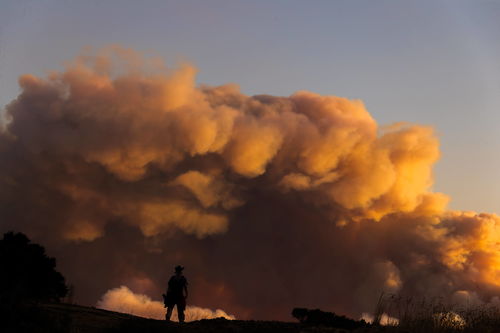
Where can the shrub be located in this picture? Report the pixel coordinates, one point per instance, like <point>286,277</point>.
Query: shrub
<point>28,274</point>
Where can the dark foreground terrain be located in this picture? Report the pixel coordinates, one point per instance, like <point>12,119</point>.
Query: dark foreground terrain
<point>58,318</point>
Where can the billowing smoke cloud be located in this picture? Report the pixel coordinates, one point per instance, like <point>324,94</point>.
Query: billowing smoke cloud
<point>125,168</point>
<point>124,300</point>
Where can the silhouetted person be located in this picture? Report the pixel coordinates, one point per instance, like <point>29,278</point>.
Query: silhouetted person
<point>176,294</point>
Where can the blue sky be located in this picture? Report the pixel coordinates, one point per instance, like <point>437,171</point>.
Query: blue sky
<point>432,62</point>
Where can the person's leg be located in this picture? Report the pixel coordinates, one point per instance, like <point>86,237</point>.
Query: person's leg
<point>180,313</point>
<point>169,312</point>
<point>181,306</point>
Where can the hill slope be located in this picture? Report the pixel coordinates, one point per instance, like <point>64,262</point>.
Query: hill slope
<point>56,318</point>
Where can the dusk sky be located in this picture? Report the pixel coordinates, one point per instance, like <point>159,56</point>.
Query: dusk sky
<point>429,62</point>
<point>282,139</point>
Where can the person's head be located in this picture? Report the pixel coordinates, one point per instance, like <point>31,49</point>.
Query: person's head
<point>178,269</point>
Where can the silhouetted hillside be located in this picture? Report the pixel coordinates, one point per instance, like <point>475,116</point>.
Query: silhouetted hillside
<point>58,318</point>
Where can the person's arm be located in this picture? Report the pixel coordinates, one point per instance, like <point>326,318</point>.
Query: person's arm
<point>185,289</point>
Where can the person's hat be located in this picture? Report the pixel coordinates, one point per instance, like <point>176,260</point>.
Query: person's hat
<point>179,268</point>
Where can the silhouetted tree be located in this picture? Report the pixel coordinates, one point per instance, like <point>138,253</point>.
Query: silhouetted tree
<point>27,273</point>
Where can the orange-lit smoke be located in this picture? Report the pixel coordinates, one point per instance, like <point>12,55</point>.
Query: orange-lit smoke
<point>271,197</point>
<point>124,300</point>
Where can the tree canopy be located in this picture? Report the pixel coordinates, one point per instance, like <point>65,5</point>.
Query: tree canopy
<point>27,273</point>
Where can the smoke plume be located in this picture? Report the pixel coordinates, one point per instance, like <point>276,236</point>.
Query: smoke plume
<point>125,168</point>
<point>124,300</point>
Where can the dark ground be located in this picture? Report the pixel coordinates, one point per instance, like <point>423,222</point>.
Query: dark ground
<point>56,318</point>
<point>59,318</point>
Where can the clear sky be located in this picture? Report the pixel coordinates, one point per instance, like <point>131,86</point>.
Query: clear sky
<point>431,62</point>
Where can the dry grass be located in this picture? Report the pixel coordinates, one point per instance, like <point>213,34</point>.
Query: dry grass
<point>434,315</point>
